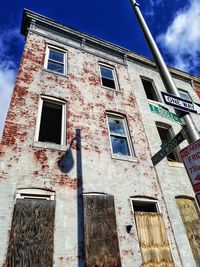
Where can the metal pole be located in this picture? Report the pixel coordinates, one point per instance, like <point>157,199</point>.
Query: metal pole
<point>190,129</point>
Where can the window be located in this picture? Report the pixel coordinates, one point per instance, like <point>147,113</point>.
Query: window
<point>184,94</point>
<point>108,77</point>
<point>150,89</point>
<point>154,244</point>
<point>119,138</point>
<point>191,217</point>
<point>55,60</point>
<point>165,133</point>
<point>32,239</point>
<point>51,121</point>
<point>100,231</point>
<point>147,206</point>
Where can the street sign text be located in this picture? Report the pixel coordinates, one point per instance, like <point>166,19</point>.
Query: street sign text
<point>180,103</point>
<point>161,154</point>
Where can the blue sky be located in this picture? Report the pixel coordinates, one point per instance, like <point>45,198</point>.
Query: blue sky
<point>173,23</point>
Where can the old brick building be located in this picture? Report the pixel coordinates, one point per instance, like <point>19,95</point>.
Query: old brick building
<point>78,187</point>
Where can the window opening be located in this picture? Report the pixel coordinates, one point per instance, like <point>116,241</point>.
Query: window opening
<point>51,122</point>
<point>119,136</point>
<point>145,206</point>
<point>108,77</point>
<point>149,89</point>
<point>166,136</point>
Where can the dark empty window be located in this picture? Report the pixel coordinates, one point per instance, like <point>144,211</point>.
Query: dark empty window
<point>149,90</point>
<point>56,60</point>
<point>144,206</point>
<point>108,77</point>
<point>166,136</point>
<point>51,122</point>
<point>119,136</point>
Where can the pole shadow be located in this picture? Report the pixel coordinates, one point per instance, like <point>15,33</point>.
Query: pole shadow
<point>66,163</point>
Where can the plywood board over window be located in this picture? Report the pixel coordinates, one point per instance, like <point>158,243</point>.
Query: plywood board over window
<point>32,232</point>
<point>101,241</point>
<point>191,219</point>
<point>154,245</point>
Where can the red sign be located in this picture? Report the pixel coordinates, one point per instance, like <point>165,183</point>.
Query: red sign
<point>191,159</point>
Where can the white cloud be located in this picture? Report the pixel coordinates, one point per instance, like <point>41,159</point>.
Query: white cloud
<point>182,38</point>
<point>151,6</point>
<point>7,71</point>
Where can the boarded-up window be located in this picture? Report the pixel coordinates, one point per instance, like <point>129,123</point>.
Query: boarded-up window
<point>101,241</point>
<point>191,219</point>
<point>32,232</point>
<point>153,240</point>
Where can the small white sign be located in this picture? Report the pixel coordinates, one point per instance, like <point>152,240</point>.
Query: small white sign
<point>191,159</point>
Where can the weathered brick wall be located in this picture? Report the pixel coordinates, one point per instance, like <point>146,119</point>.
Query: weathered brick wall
<point>24,165</point>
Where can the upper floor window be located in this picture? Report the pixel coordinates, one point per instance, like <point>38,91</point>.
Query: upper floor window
<point>51,121</point>
<point>119,137</point>
<point>184,94</point>
<point>166,134</point>
<point>108,77</point>
<point>55,60</point>
<point>150,89</point>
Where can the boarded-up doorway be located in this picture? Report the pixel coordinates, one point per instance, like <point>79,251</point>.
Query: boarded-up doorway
<point>101,241</point>
<point>154,244</point>
<point>32,232</point>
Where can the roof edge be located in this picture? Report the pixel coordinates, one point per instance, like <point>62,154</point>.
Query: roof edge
<point>29,16</point>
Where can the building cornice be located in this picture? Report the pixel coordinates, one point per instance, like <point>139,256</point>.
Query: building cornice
<point>31,18</point>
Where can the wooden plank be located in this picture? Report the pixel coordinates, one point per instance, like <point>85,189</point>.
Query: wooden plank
<point>191,219</point>
<point>101,240</point>
<point>153,240</point>
<point>32,234</point>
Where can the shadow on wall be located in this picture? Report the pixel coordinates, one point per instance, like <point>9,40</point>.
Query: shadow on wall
<point>66,163</point>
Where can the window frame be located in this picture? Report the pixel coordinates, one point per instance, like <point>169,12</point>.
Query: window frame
<point>63,121</point>
<point>35,193</point>
<point>127,136</point>
<point>154,88</point>
<point>50,47</point>
<point>145,200</point>
<point>114,74</point>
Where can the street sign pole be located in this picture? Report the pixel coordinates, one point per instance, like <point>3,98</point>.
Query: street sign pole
<point>190,128</point>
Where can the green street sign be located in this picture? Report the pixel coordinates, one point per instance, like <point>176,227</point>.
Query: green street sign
<point>161,154</point>
<point>164,113</point>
